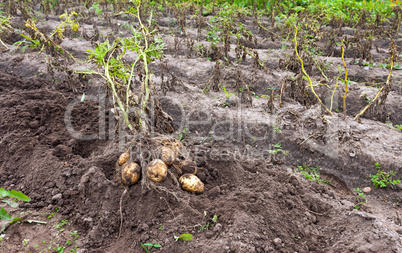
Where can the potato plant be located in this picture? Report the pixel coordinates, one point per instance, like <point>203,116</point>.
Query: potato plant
<point>109,56</point>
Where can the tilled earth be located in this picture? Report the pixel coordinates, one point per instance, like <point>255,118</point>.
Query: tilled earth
<point>61,151</point>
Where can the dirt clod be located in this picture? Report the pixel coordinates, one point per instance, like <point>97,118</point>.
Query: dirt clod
<point>277,241</point>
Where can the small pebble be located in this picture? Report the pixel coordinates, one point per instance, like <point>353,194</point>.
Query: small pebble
<point>277,241</point>
<point>88,219</point>
<point>34,124</point>
<point>57,196</point>
<point>366,190</point>
<point>209,234</point>
<point>217,228</point>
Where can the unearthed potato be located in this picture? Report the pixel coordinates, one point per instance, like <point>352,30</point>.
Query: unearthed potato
<point>177,147</point>
<point>167,155</point>
<point>123,158</point>
<point>191,183</point>
<point>130,174</point>
<point>174,145</point>
<point>157,170</point>
<point>186,166</point>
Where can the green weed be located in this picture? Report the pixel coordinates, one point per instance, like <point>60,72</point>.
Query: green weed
<point>206,224</point>
<point>361,198</point>
<point>5,26</point>
<point>184,237</point>
<point>50,216</point>
<point>75,234</point>
<point>29,42</point>
<point>383,179</point>
<point>227,93</point>
<point>312,174</point>
<point>183,135</point>
<point>278,149</point>
<point>96,8</point>
<point>149,246</point>
<point>276,125</point>
<point>365,97</point>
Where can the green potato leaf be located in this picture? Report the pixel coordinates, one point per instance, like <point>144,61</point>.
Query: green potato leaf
<point>4,215</point>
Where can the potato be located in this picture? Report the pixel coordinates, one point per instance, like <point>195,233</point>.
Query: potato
<point>123,158</point>
<point>185,166</point>
<point>177,147</point>
<point>189,166</point>
<point>131,173</point>
<point>157,170</point>
<point>191,183</point>
<point>174,145</point>
<point>167,155</point>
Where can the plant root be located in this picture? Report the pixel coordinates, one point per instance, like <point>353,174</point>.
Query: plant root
<point>121,212</point>
<point>321,214</point>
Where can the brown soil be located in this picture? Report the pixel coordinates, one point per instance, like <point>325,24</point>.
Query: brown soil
<point>262,204</point>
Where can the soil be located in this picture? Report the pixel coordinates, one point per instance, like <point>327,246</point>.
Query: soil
<point>262,203</point>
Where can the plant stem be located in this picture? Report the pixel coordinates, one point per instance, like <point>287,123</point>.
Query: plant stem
<point>3,44</point>
<point>346,81</point>
<point>115,95</point>
<point>129,83</point>
<point>333,93</point>
<point>144,86</point>
<point>308,77</point>
<point>378,93</point>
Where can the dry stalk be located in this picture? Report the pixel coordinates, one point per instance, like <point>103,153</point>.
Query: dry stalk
<point>346,82</point>
<point>387,87</point>
<point>165,67</point>
<point>248,90</point>
<point>205,90</point>
<point>266,29</point>
<point>333,93</point>
<point>283,88</point>
<point>378,93</point>
<point>308,77</point>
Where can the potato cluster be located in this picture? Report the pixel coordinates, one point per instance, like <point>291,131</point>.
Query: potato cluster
<point>157,170</point>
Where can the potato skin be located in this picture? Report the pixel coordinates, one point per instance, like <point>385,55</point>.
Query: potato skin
<point>191,183</point>
<point>130,174</point>
<point>167,155</point>
<point>123,158</point>
<point>157,170</point>
<point>186,166</point>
